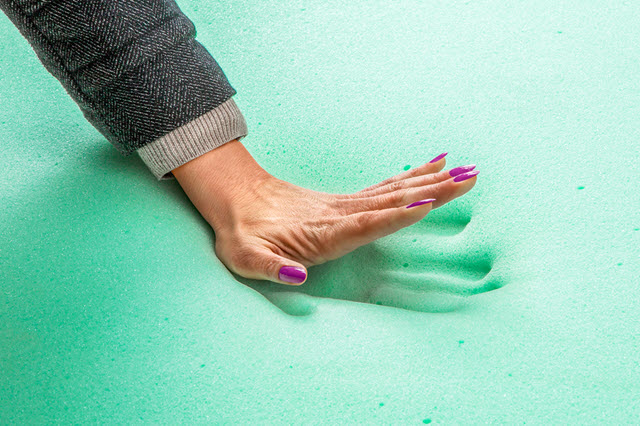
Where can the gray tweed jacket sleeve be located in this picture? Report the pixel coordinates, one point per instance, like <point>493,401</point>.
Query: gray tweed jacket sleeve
<point>137,73</point>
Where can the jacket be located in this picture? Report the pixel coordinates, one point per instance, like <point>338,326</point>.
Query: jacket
<point>137,73</point>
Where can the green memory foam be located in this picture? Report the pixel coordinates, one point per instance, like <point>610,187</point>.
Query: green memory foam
<point>517,303</point>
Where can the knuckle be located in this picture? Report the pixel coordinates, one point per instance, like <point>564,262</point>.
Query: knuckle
<point>363,220</point>
<point>241,258</point>
<point>395,186</point>
<point>318,238</point>
<point>341,207</point>
<point>398,196</point>
<point>316,233</point>
<point>234,252</point>
<point>271,266</point>
<point>330,206</point>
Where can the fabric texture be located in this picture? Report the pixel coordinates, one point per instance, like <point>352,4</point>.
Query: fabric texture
<point>136,72</point>
<point>207,132</point>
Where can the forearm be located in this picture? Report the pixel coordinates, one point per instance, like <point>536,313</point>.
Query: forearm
<point>221,179</point>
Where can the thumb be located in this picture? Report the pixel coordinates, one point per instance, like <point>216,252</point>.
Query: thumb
<point>263,264</point>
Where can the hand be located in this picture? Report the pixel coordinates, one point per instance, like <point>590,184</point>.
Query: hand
<point>263,223</point>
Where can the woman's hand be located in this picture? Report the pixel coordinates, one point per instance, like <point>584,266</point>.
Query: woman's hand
<point>263,224</point>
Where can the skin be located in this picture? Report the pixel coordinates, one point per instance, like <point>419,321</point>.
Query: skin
<point>263,223</point>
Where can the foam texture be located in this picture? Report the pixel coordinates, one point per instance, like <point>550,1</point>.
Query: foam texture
<point>517,303</point>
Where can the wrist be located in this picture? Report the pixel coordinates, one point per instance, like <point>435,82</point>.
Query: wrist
<point>217,181</point>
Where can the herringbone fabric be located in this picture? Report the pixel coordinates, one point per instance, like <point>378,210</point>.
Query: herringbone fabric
<point>133,66</point>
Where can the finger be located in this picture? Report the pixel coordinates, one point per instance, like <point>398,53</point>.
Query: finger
<point>364,227</point>
<point>260,263</point>
<point>430,167</point>
<point>443,192</point>
<point>414,182</point>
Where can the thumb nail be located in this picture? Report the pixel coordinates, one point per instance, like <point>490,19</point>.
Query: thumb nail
<point>292,274</point>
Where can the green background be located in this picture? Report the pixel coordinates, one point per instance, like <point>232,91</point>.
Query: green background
<point>114,307</point>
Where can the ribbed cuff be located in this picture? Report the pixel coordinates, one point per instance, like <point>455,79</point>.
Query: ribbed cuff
<point>207,132</point>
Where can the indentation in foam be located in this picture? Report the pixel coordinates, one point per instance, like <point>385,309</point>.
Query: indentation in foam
<point>436,274</point>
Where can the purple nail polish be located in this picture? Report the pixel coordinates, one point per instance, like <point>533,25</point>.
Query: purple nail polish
<point>462,169</point>
<point>465,176</point>
<point>438,158</point>
<point>292,274</point>
<point>421,202</point>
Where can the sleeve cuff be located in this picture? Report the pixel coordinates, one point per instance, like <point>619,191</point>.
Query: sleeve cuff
<point>207,132</point>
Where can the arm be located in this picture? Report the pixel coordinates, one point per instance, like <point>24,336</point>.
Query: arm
<point>137,73</point>
<point>141,79</point>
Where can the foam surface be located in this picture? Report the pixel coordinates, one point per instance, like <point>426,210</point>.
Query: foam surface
<point>516,303</point>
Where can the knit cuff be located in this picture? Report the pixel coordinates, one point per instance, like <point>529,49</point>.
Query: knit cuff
<point>207,132</point>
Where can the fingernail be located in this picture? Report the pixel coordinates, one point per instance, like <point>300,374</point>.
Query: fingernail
<point>438,158</point>
<point>465,176</point>
<point>292,274</point>
<point>421,202</point>
<point>461,169</point>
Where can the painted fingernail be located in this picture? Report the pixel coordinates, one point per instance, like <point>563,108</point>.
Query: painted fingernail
<point>421,202</point>
<point>465,176</point>
<point>292,274</point>
<point>438,158</point>
<point>462,169</point>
